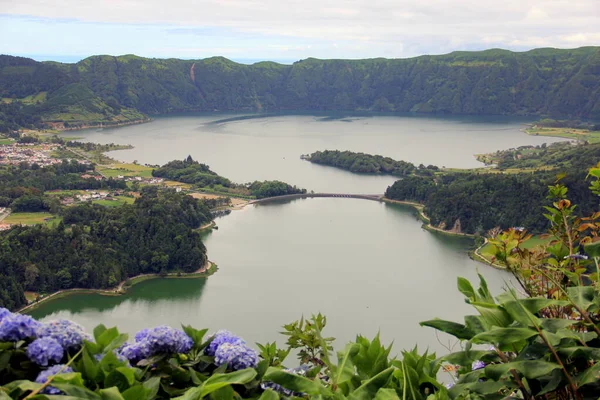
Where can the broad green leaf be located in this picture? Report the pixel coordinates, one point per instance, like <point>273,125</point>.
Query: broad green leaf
<point>386,394</point>
<point>466,358</point>
<point>218,381</point>
<point>137,392</point>
<point>295,382</point>
<point>122,378</point>
<point>225,393</point>
<point>75,390</point>
<point>531,369</point>
<point>368,390</point>
<point>493,315</point>
<point>72,378</point>
<point>453,328</point>
<point>504,336</point>
<point>590,375</point>
<point>269,395</point>
<point>99,330</point>
<point>111,393</point>
<point>116,342</point>
<point>107,336</point>
<point>90,365</point>
<point>582,296</point>
<point>152,385</point>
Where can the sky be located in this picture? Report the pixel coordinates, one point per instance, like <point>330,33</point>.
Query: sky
<point>290,30</point>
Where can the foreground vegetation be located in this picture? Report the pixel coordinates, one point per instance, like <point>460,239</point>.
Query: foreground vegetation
<point>115,90</point>
<point>540,343</point>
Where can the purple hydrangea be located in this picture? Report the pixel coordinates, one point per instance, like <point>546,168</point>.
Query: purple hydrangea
<point>42,351</point>
<point>69,334</point>
<point>220,338</point>
<point>45,375</point>
<point>119,356</point>
<point>236,356</point>
<point>477,365</point>
<point>15,327</point>
<point>159,340</point>
<point>4,313</point>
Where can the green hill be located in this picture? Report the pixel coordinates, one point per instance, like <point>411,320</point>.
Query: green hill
<point>550,82</point>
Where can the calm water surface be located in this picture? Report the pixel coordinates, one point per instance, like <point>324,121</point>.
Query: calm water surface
<point>247,148</point>
<point>368,266</point>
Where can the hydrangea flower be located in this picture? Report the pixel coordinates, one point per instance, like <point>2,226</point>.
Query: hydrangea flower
<point>236,356</point>
<point>15,327</point>
<point>45,375</point>
<point>69,334</point>
<point>43,350</point>
<point>159,340</point>
<point>220,338</point>
<point>119,356</point>
<point>477,365</point>
<point>4,313</point>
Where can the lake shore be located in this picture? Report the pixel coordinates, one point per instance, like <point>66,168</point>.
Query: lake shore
<point>205,271</point>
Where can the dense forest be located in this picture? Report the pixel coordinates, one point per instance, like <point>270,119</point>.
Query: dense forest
<point>483,200</point>
<point>97,247</point>
<point>362,163</point>
<point>195,173</point>
<point>562,83</point>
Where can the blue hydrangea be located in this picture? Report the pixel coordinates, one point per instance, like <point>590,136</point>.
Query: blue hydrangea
<point>15,327</point>
<point>69,334</point>
<point>236,356</point>
<point>42,351</point>
<point>4,313</point>
<point>45,375</point>
<point>220,338</point>
<point>159,340</point>
<point>477,365</point>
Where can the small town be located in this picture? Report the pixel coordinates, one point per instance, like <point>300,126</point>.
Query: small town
<point>31,153</point>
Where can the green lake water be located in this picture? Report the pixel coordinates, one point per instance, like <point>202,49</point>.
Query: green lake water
<point>367,265</point>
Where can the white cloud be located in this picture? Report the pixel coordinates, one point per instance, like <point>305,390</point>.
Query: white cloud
<point>393,28</point>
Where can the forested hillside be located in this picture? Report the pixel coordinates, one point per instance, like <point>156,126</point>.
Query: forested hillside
<point>551,82</point>
<point>484,200</point>
<point>97,247</point>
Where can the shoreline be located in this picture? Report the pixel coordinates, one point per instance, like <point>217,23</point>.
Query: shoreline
<point>204,272</point>
<point>425,219</point>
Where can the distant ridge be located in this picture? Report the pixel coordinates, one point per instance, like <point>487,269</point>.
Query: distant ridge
<point>549,82</point>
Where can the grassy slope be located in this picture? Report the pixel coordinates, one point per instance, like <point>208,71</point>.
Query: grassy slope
<point>32,218</point>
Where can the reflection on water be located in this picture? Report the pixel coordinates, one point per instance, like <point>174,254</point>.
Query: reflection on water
<point>147,293</point>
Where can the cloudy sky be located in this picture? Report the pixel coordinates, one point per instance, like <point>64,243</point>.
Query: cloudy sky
<point>289,30</point>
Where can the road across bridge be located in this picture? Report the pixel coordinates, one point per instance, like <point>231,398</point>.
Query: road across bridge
<point>375,197</point>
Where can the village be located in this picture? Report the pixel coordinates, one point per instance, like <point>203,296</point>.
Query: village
<point>31,153</point>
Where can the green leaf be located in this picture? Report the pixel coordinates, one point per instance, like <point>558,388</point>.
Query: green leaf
<point>386,394</point>
<point>466,358</point>
<point>90,365</point>
<point>111,393</point>
<point>295,382</point>
<point>269,395</point>
<point>368,389</point>
<point>590,375</point>
<point>107,336</point>
<point>465,287</point>
<point>493,315</point>
<point>455,329</point>
<point>196,335</point>
<point>504,336</point>
<point>592,249</point>
<point>344,371</point>
<point>75,390</point>
<point>116,342</point>
<point>152,385</point>
<point>531,369</point>
<point>122,378</point>
<point>582,296</point>
<point>225,393</point>
<point>219,381</point>
<point>137,392</point>
<point>99,330</point>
